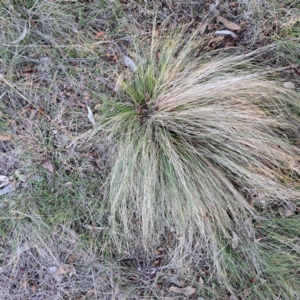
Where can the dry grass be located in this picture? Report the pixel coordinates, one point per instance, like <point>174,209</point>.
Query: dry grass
<point>194,150</point>
<point>199,153</point>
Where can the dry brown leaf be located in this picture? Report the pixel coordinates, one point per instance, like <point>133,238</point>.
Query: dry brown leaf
<point>201,282</point>
<point>47,164</point>
<point>71,259</point>
<point>118,85</point>
<point>63,269</point>
<point>228,24</point>
<point>187,291</point>
<point>176,281</point>
<point>98,106</point>
<point>289,85</point>
<point>170,237</point>
<point>203,28</point>
<point>235,240</point>
<point>33,288</point>
<point>92,228</point>
<point>288,210</point>
<point>5,138</point>
<point>24,283</point>
<point>232,297</point>
<point>99,34</point>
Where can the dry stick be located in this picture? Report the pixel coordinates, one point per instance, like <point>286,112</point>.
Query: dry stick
<point>38,109</point>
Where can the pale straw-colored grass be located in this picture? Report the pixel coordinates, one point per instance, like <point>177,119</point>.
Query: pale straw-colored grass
<point>199,151</point>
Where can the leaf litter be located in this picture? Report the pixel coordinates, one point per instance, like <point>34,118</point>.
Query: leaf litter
<point>235,240</point>
<point>228,24</point>
<point>58,272</point>
<point>129,63</point>
<point>90,115</point>
<point>187,291</point>
<point>47,164</point>
<point>226,32</point>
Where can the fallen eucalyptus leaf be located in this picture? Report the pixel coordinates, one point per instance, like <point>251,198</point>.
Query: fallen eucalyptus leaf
<point>187,291</point>
<point>235,240</point>
<point>47,164</point>
<point>289,85</point>
<point>8,189</point>
<point>201,283</point>
<point>118,84</point>
<point>71,259</point>
<point>288,210</point>
<point>90,115</point>
<point>226,32</point>
<point>129,63</point>
<point>92,228</point>
<point>203,28</point>
<point>176,281</point>
<point>62,270</point>
<point>4,138</point>
<point>4,178</point>
<point>228,24</point>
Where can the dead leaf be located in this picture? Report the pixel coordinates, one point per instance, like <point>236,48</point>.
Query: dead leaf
<point>228,24</point>
<point>246,292</point>
<point>288,209</point>
<point>8,189</point>
<point>232,297</point>
<point>187,291</point>
<point>4,179</point>
<point>47,164</point>
<point>62,270</point>
<point>176,281</point>
<point>226,32</point>
<point>201,283</point>
<point>91,115</point>
<point>118,84</point>
<point>235,240</point>
<point>203,28</point>
<point>98,106</point>
<point>71,259</point>
<point>155,264</point>
<point>99,34</point>
<point>289,85</point>
<point>92,228</point>
<point>33,288</point>
<point>5,138</point>
<point>297,143</point>
<point>129,63</point>
<point>24,283</point>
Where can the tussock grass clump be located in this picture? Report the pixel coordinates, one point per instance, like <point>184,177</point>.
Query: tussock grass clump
<point>199,151</point>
